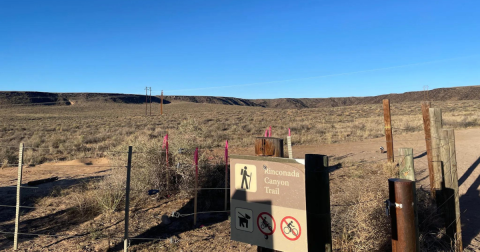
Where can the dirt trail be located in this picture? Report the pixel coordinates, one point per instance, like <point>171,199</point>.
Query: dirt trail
<point>468,160</point>
<point>65,170</point>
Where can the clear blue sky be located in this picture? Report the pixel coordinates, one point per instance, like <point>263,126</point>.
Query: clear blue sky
<point>238,48</point>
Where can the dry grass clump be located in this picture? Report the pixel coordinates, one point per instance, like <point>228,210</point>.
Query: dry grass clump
<point>359,222</point>
<point>363,225</point>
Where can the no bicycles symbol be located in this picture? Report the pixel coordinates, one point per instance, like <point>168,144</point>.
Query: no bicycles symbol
<point>291,228</point>
<point>266,224</point>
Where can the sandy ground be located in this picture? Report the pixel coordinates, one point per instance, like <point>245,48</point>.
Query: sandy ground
<point>468,159</point>
<point>68,173</point>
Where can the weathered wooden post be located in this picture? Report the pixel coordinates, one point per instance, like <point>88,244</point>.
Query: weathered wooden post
<point>450,187</point>
<point>388,129</point>
<point>406,168</point>
<point>269,146</point>
<point>19,185</point>
<point>289,145</point>
<point>428,142</point>
<point>127,199</point>
<point>317,197</point>
<point>401,205</point>
<point>435,128</point>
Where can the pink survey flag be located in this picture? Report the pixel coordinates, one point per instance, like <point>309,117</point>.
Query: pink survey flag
<point>165,142</point>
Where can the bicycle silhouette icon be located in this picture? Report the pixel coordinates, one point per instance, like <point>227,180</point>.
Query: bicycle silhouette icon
<point>291,228</point>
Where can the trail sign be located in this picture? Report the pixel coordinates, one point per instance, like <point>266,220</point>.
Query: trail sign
<point>273,190</point>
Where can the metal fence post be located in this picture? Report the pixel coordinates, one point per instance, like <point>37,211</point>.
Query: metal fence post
<point>289,145</point>
<point>127,199</point>
<point>19,184</point>
<point>196,187</point>
<point>317,197</point>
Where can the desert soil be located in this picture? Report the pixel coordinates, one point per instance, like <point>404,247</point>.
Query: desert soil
<point>468,159</point>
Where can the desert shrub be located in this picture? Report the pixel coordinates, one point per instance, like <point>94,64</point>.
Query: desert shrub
<point>465,122</point>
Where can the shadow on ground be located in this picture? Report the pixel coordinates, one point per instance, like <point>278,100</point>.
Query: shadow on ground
<point>470,207</point>
<point>52,223</point>
<point>208,201</point>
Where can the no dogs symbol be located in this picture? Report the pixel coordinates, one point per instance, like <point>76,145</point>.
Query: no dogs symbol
<point>266,224</point>
<point>291,228</point>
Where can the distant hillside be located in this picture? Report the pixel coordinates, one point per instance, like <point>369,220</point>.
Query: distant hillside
<point>42,98</point>
<point>212,100</point>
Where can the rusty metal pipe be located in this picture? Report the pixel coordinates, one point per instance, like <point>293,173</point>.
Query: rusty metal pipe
<point>402,205</point>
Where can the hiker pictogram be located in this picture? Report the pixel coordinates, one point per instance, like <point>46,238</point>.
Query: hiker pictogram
<point>244,173</point>
<point>266,223</point>
<point>244,219</point>
<point>291,228</point>
<point>246,177</point>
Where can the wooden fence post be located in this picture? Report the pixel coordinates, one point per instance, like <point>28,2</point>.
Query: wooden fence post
<point>317,197</point>
<point>196,187</point>
<point>17,207</point>
<point>406,167</point>
<point>435,128</point>
<point>428,142</point>
<point>289,145</point>
<point>450,187</point>
<point>127,199</point>
<point>401,204</point>
<point>388,129</point>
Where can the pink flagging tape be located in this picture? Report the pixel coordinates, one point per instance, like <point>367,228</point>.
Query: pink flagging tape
<point>289,132</point>
<point>266,132</point>
<point>165,140</point>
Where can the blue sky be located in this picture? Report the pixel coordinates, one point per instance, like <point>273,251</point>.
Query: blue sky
<point>248,49</point>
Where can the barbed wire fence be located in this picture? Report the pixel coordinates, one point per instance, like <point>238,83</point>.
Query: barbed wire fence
<point>181,173</point>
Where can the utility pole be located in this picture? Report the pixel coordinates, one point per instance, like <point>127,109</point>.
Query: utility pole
<point>150,101</point>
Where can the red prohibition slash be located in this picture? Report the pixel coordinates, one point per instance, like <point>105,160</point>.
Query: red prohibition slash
<point>291,229</point>
<point>262,222</point>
